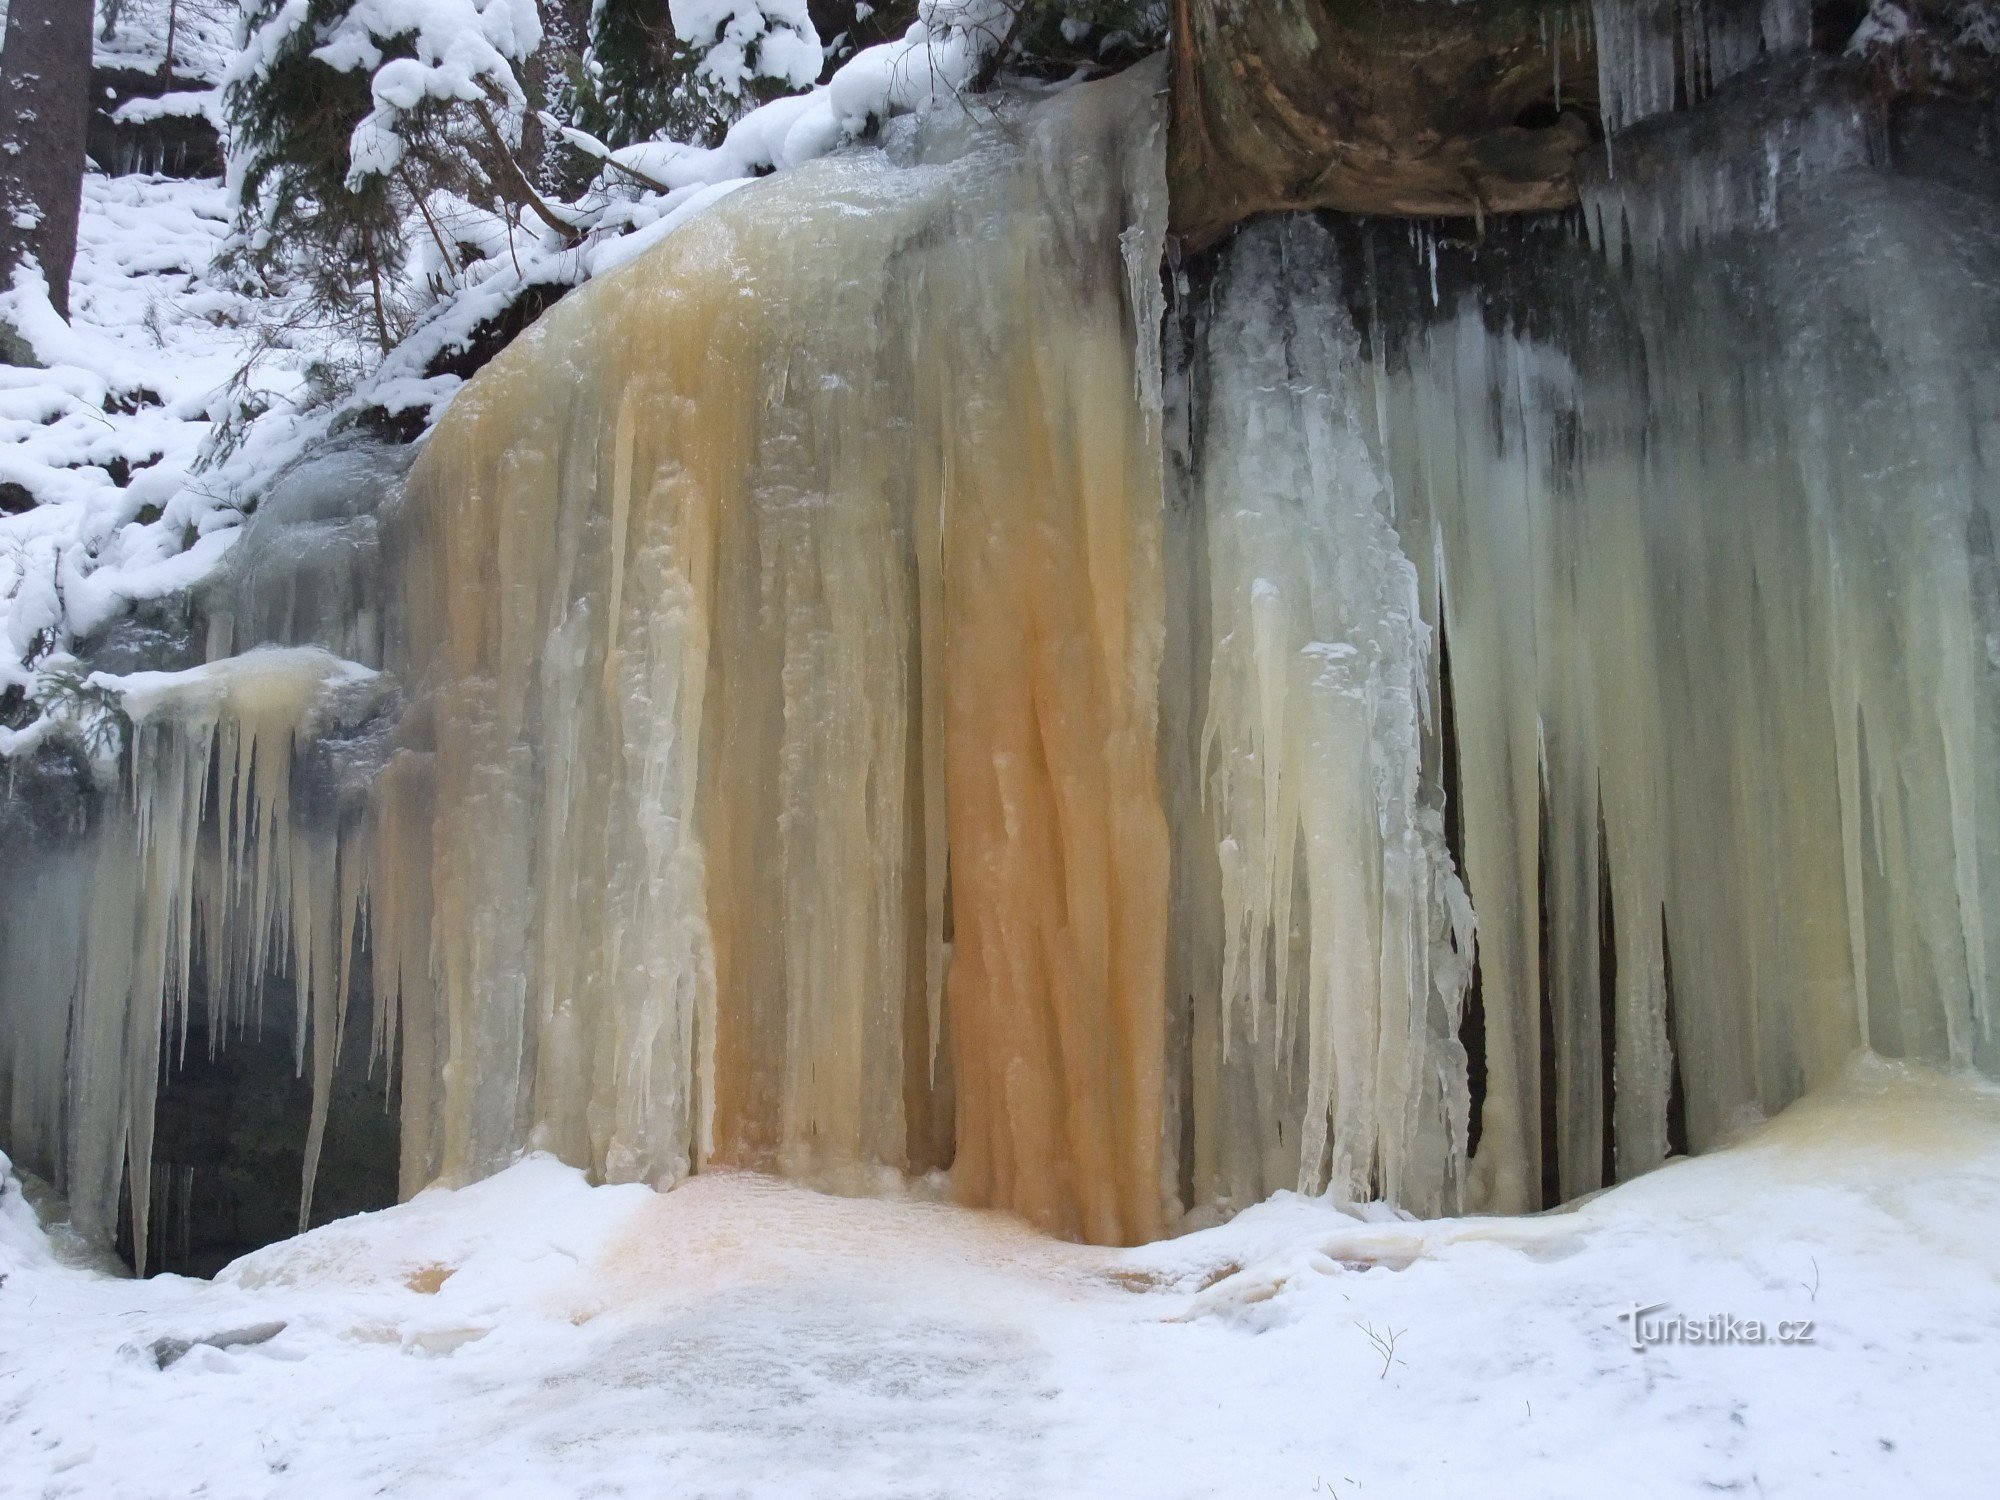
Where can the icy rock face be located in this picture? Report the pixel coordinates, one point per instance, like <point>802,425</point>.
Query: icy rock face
<point>780,629</point>
<point>798,579</point>
<point>1710,536</point>
<point>1324,1039</point>
<point>792,692</point>
<point>1752,158</point>
<point>1653,55</point>
<point>829,737</point>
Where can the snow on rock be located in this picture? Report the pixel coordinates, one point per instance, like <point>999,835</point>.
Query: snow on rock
<point>533,1335</point>
<point>206,687</point>
<point>674,209</point>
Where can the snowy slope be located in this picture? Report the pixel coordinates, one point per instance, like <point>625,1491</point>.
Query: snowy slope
<point>533,1336</point>
<point>156,351</point>
<point>204,34</point>
<point>203,394</point>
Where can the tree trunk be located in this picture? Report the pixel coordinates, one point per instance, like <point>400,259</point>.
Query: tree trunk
<point>1407,107</point>
<point>44,110</point>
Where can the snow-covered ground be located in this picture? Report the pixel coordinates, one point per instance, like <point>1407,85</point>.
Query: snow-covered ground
<point>534,1336</point>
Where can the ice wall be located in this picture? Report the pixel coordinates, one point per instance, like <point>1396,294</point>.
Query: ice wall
<point>823,702</point>
<point>784,613</point>
<point>762,765</point>
<point>788,784</point>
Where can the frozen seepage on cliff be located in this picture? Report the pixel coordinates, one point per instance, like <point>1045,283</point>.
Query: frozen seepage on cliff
<point>825,705</point>
<point>786,611</point>
<point>778,625</point>
<point>781,626</point>
<point>804,646</point>
<point>1706,525</point>
<point>1322,938</point>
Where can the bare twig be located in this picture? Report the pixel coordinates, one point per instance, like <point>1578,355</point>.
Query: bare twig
<point>423,208</point>
<point>1385,1345</point>
<point>997,59</point>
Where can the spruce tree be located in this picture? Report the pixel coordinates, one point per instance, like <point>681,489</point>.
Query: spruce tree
<point>346,117</point>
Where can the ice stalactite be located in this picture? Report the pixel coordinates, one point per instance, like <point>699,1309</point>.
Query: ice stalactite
<point>1655,55</point>
<point>200,875</point>
<point>1765,148</point>
<point>1345,935</point>
<point>763,594</point>
<point>1539,589</point>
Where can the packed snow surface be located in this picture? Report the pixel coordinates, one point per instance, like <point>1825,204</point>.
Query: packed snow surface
<point>532,1335</point>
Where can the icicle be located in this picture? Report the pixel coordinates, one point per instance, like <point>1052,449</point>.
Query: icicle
<point>169,875</point>
<point>1652,52</point>
<point>1759,156</point>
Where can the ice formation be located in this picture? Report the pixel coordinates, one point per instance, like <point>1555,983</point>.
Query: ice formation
<point>1766,151</point>
<point>839,696</point>
<point>715,647</point>
<point>1654,55</point>
<point>202,876</point>
<point>1345,939</point>
<point>1710,540</point>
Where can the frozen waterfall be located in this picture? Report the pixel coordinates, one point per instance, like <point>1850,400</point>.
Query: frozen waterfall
<point>896,681</point>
